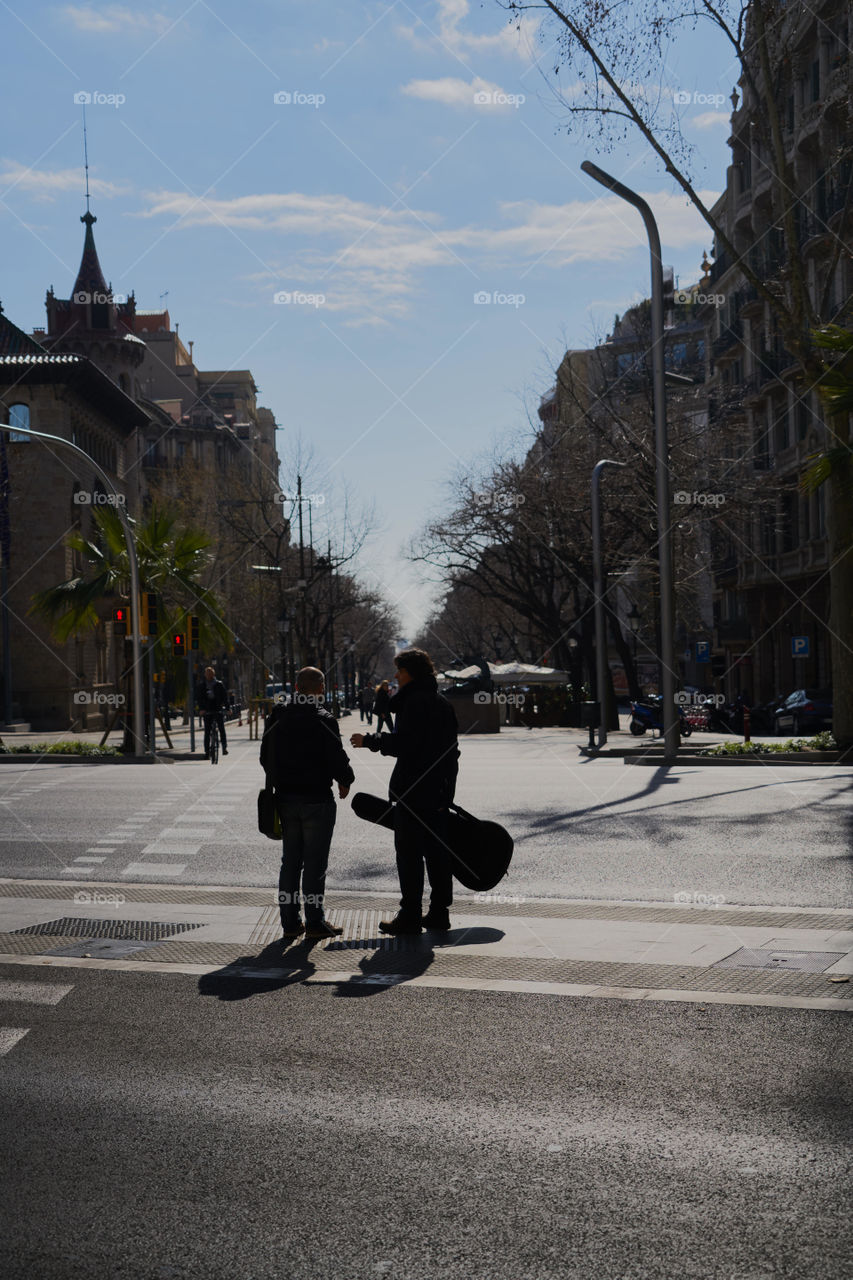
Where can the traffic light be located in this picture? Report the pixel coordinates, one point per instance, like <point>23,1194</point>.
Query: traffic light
<point>148,614</point>
<point>120,622</point>
<point>668,296</point>
<point>193,629</point>
<point>178,644</point>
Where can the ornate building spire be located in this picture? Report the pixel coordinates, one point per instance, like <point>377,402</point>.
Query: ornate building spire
<point>90,277</point>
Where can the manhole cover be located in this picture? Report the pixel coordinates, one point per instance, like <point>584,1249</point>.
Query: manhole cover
<point>135,930</point>
<point>101,948</point>
<point>802,961</point>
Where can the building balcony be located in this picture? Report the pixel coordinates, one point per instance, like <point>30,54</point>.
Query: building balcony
<point>733,631</point>
<point>730,336</point>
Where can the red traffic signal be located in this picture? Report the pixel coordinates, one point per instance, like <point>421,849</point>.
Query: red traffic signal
<point>119,622</point>
<point>178,645</point>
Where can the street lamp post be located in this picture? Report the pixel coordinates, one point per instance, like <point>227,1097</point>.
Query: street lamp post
<point>667,593</point>
<point>598,595</point>
<point>118,506</point>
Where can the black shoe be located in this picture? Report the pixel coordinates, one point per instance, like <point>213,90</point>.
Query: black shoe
<point>322,929</point>
<point>292,931</point>
<point>401,923</point>
<point>437,918</point>
<point>225,751</point>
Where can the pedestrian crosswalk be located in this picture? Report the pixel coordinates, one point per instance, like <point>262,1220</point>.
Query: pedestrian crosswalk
<point>35,993</point>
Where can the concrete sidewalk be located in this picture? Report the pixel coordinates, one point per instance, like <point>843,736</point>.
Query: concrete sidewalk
<point>785,957</point>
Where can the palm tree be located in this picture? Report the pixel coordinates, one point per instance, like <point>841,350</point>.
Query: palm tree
<point>171,562</point>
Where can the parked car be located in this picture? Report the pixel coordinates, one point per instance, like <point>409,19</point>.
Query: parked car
<point>804,710</point>
<point>763,717</point>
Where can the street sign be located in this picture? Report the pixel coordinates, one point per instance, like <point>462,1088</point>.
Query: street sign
<point>703,650</point>
<point>799,646</point>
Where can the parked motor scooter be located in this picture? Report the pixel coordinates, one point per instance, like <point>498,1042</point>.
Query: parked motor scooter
<point>647,715</point>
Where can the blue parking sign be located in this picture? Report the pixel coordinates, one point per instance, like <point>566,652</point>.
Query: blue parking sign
<point>799,646</point>
<point>703,650</point>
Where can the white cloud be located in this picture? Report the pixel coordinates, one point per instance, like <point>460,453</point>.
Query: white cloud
<point>368,259</point>
<point>712,120</point>
<point>46,184</point>
<point>453,92</point>
<point>510,38</point>
<point>115,19</point>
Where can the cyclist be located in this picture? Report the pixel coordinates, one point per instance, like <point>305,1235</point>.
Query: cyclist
<point>211,700</point>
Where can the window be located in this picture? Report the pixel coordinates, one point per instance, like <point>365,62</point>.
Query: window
<point>782,430</point>
<point>790,522</point>
<point>19,416</point>
<point>803,419</point>
<point>815,81</point>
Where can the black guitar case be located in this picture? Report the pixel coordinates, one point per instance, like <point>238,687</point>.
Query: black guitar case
<point>480,851</point>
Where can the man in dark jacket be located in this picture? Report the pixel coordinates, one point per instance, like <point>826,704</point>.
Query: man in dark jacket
<point>302,754</point>
<point>422,786</point>
<point>211,700</point>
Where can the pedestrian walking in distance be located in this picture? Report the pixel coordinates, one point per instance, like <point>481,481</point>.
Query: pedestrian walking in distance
<point>422,786</point>
<point>382,707</point>
<point>302,755</point>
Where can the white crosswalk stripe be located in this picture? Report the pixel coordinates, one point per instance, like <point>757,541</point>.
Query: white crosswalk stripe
<point>15,992</point>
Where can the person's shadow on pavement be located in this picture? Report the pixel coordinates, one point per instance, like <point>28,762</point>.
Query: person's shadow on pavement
<point>412,958</point>
<point>273,968</point>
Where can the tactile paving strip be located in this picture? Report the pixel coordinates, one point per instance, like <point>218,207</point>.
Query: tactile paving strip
<point>502,902</point>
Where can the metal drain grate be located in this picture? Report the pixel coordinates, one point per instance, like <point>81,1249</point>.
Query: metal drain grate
<point>80,927</point>
<point>802,961</point>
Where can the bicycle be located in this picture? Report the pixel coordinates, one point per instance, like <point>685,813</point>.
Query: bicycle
<point>214,740</point>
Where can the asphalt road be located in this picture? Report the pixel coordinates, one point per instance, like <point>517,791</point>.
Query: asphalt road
<point>172,1128</point>
<point>600,829</point>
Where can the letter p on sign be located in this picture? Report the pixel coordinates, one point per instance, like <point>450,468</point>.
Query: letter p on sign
<point>799,646</point>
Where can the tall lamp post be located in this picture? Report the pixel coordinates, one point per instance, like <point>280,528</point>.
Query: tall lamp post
<point>667,593</point>
<point>598,595</point>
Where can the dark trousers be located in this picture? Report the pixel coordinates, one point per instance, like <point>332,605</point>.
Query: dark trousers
<point>420,839</point>
<point>209,717</point>
<point>383,717</point>
<point>306,837</point>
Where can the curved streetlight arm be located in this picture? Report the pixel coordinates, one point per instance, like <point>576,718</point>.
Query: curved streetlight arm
<point>138,710</point>
<point>662,496</point>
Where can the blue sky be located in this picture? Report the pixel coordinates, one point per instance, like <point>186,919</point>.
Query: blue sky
<point>414,160</point>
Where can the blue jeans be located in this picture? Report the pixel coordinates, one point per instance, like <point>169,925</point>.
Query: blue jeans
<point>306,831</point>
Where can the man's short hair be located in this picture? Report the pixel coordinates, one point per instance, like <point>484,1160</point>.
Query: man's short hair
<point>210,671</point>
<point>310,680</point>
<point>417,662</point>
